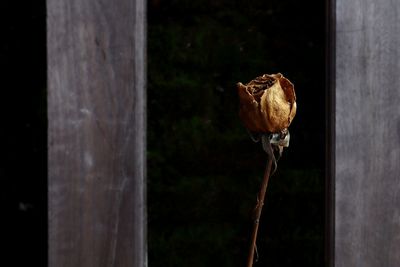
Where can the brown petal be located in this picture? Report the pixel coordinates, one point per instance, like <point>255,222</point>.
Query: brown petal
<point>267,103</point>
<point>250,112</point>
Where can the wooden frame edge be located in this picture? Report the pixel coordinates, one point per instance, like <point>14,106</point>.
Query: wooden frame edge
<point>330,77</point>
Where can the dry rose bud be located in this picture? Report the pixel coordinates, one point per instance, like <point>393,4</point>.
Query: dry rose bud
<point>267,103</point>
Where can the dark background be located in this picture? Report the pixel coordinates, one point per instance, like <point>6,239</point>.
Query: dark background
<point>23,170</point>
<point>203,170</point>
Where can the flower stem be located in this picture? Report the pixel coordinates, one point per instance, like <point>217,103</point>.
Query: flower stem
<point>257,211</point>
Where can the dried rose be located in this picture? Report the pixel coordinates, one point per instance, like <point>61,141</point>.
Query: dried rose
<point>267,103</point>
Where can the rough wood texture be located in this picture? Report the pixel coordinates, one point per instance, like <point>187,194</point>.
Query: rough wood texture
<point>96,135</point>
<point>367,133</point>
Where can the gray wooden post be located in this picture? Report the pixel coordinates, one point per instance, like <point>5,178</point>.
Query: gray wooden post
<point>96,133</point>
<point>367,150</point>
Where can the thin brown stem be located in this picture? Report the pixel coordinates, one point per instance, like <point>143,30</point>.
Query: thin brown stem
<point>257,211</point>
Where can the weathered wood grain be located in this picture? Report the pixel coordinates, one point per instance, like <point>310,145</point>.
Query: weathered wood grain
<point>367,213</point>
<point>96,134</point>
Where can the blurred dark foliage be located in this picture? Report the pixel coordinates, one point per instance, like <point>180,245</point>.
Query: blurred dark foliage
<point>203,170</point>
<point>23,169</point>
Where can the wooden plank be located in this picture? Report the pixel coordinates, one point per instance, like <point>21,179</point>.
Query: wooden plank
<point>367,213</point>
<point>96,134</point>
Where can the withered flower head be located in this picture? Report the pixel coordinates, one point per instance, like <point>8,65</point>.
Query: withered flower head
<point>267,103</point>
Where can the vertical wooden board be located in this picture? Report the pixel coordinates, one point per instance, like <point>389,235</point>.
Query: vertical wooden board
<point>367,182</point>
<point>96,134</point>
